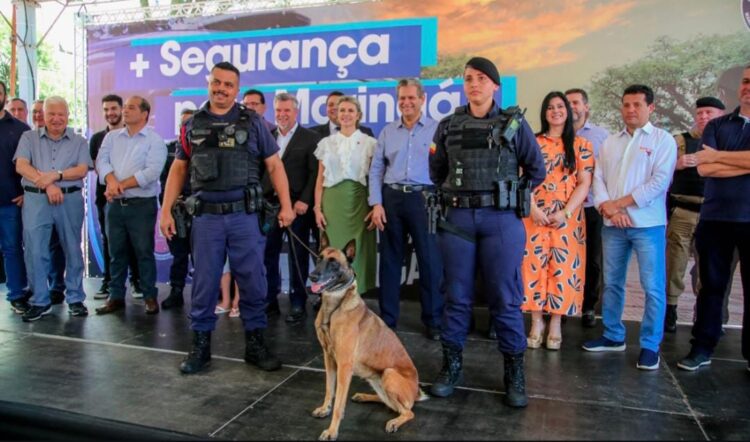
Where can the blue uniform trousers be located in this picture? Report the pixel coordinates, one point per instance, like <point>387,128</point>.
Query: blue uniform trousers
<point>212,239</point>
<point>39,218</point>
<point>11,237</point>
<point>274,240</point>
<point>406,214</point>
<point>498,252</point>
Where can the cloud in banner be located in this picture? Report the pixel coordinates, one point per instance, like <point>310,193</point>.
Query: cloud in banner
<point>523,36</point>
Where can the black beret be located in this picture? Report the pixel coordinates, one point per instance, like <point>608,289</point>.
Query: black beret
<point>709,102</point>
<point>486,67</point>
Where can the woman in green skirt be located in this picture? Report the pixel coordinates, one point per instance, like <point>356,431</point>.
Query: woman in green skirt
<point>341,190</point>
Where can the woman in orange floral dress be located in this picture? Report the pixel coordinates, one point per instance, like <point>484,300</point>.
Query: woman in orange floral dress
<point>554,262</point>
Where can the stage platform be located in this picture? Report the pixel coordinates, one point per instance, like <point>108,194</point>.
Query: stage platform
<point>116,376</point>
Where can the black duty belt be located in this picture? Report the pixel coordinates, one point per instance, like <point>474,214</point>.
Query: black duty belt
<point>222,208</point>
<point>70,189</point>
<point>468,201</point>
<point>693,207</point>
<point>408,188</point>
<point>135,200</point>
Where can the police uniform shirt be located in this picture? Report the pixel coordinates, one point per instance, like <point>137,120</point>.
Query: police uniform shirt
<point>527,151</point>
<point>260,143</point>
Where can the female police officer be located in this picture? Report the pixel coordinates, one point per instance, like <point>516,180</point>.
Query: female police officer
<point>475,162</point>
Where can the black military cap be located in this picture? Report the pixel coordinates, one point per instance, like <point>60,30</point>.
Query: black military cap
<point>709,102</point>
<point>486,67</point>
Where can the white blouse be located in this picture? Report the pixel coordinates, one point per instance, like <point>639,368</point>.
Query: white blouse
<point>346,158</point>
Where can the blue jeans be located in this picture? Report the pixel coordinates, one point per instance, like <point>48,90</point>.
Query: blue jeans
<point>10,245</point>
<point>649,244</point>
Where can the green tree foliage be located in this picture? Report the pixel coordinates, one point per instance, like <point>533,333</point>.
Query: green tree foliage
<point>678,72</point>
<point>448,66</point>
<point>45,60</point>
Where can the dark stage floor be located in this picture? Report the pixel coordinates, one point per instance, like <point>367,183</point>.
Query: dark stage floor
<point>123,368</point>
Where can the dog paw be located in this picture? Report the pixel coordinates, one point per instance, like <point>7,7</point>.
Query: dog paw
<point>321,411</point>
<point>391,426</point>
<point>327,435</point>
<point>359,397</point>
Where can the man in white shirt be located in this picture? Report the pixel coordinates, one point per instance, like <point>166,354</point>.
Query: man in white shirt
<point>630,188</point>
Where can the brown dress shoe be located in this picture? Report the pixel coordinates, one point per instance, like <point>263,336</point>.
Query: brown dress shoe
<point>152,307</point>
<point>111,306</point>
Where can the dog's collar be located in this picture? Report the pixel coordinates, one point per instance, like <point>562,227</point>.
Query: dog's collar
<point>343,286</point>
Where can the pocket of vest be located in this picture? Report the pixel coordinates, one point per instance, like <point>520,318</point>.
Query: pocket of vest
<point>205,167</point>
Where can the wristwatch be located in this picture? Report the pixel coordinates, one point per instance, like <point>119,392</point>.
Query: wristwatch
<point>60,175</point>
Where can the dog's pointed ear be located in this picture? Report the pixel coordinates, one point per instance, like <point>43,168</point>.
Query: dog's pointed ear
<point>350,250</point>
<point>324,241</point>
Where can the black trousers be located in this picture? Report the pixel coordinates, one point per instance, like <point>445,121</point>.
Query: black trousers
<point>133,263</point>
<point>131,226</point>
<point>180,250</point>
<point>593,283</point>
<point>297,272</point>
<point>715,242</point>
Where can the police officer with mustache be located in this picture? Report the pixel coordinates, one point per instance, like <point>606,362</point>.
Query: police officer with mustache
<point>224,149</point>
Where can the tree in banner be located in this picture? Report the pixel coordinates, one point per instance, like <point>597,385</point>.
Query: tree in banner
<point>448,66</point>
<point>679,73</point>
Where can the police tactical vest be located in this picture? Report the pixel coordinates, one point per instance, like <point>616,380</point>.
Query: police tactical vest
<point>687,181</point>
<point>477,154</point>
<point>220,159</point>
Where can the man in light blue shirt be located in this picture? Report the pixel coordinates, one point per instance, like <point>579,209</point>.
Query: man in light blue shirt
<point>631,181</point>
<point>53,161</point>
<point>579,103</point>
<point>130,162</point>
<point>399,172</point>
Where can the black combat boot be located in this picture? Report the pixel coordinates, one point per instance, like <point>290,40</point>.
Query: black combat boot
<point>450,375</point>
<point>515,382</point>
<point>256,352</point>
<point>174,299</point>
<point>200,354</point>
<point>491,332</point>
<point>670,319</point>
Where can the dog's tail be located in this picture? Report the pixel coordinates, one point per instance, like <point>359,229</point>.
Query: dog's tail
<point>422,396</point>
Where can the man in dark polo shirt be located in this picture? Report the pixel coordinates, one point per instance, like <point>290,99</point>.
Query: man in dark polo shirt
<point>11,199</point>
<point>724,224</point>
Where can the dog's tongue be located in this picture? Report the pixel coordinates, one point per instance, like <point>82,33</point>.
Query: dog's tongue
<point>316,287</point>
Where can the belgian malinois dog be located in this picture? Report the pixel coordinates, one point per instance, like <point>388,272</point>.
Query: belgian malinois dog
<point>356,341</point>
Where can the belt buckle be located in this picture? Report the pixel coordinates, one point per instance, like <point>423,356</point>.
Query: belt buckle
<point>406,188</point>
<point>123,202</point>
